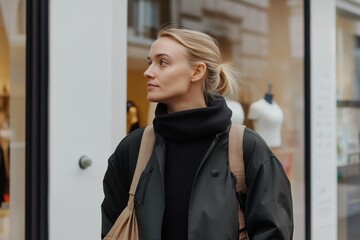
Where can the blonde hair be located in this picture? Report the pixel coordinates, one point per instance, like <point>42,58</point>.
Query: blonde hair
<point>221,78</point>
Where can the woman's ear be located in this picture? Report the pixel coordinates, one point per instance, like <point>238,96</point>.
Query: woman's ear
<point>199,72</point>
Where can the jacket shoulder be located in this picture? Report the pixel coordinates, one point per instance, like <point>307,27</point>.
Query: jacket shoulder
<point>126,152</point>
<point>268,208</point>
<point>133,138</point>
<point>255,150</point>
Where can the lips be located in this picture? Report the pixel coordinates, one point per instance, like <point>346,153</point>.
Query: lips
<point>151,85</point>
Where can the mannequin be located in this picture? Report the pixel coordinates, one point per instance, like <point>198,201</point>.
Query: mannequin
<point>268,95</point>
<point>237,110</point>
<point>132,116</point>
<point>267,117</point>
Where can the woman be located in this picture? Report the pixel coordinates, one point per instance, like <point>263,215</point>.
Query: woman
<point>186,191</point>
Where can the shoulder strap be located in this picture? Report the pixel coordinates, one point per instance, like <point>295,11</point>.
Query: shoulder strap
<point>237,167</point>
<point>236,160</point>
<point>146,147</point>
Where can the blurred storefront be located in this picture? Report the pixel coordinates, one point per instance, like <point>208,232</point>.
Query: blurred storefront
<point>12,118</point>
<point>264,40</point>
<point>304,53</point>
<point>348,117</point>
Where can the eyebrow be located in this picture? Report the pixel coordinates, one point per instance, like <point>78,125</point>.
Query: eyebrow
<point>159,55</point>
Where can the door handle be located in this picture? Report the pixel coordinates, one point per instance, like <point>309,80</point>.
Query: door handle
<point>85,162</point>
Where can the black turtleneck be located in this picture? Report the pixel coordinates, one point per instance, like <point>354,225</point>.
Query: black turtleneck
<point>188,135</point>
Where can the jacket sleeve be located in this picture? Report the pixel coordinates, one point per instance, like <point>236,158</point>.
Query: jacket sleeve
<point>268,207</point>
<point>117,179</point>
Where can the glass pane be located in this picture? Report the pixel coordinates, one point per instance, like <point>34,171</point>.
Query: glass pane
<point>12,118</point>
<point>348,123</point>
<point>264,39</point>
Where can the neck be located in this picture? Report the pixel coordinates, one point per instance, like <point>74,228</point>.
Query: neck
<point>268,97</point>
<point>193,99</point>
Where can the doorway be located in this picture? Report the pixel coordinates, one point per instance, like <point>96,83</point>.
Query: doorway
<point>12,118</point>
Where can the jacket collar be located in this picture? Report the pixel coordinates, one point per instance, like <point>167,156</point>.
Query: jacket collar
<point>193,123</point>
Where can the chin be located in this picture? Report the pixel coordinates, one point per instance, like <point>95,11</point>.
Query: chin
<point>152,99</point>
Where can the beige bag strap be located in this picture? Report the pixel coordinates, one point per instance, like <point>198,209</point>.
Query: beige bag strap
<point>237,167</point>
<point>126,226</point>
<point>146,147</point>
<point>236,160</point>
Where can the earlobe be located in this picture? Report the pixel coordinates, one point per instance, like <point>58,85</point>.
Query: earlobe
<point>199,72</point>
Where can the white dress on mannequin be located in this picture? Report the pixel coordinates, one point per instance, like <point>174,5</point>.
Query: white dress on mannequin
<point>267,118</point>
<point>237,111</point>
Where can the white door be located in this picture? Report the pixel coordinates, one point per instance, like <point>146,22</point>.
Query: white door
<point>87,94</point>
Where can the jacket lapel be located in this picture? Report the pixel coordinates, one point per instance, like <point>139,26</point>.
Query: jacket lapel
<point>160,155</point>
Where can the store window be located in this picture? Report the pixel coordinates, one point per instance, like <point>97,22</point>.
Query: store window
<point>348,118</point>
<point>12,118</point>
<point>264,39</point>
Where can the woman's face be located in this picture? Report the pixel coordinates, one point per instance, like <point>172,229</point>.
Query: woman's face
<point>169,72</point>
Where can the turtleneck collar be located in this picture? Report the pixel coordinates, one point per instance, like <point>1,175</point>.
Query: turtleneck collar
<point>193,123</point>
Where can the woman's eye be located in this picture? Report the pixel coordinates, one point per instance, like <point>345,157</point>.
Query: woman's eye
<point>162,62</point>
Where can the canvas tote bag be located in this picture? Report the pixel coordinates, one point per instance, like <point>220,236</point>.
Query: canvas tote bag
<point>125,227</point>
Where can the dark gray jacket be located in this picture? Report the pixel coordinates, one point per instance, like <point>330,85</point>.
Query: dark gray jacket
<point>212,210</point>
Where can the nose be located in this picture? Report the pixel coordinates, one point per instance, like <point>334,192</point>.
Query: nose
<point>148,74</point>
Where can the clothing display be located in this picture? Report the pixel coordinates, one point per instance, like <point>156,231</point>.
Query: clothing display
<point>132,116</point>
<point>3,177</point>
<point>238,115</point>
<point>187,185</point>
<point>268,119</point>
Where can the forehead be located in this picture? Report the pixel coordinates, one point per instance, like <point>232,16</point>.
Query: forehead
<point>167,45</point>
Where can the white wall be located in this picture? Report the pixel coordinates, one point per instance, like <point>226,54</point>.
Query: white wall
<point>87,109</point>
<point>323,120</point>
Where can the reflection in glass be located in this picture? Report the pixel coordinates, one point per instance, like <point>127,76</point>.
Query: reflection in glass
<point>264,39</point>
<point>12,118</point>
<point>348,123</point>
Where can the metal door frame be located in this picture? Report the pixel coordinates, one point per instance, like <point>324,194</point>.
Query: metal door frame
<point>36,153</point>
